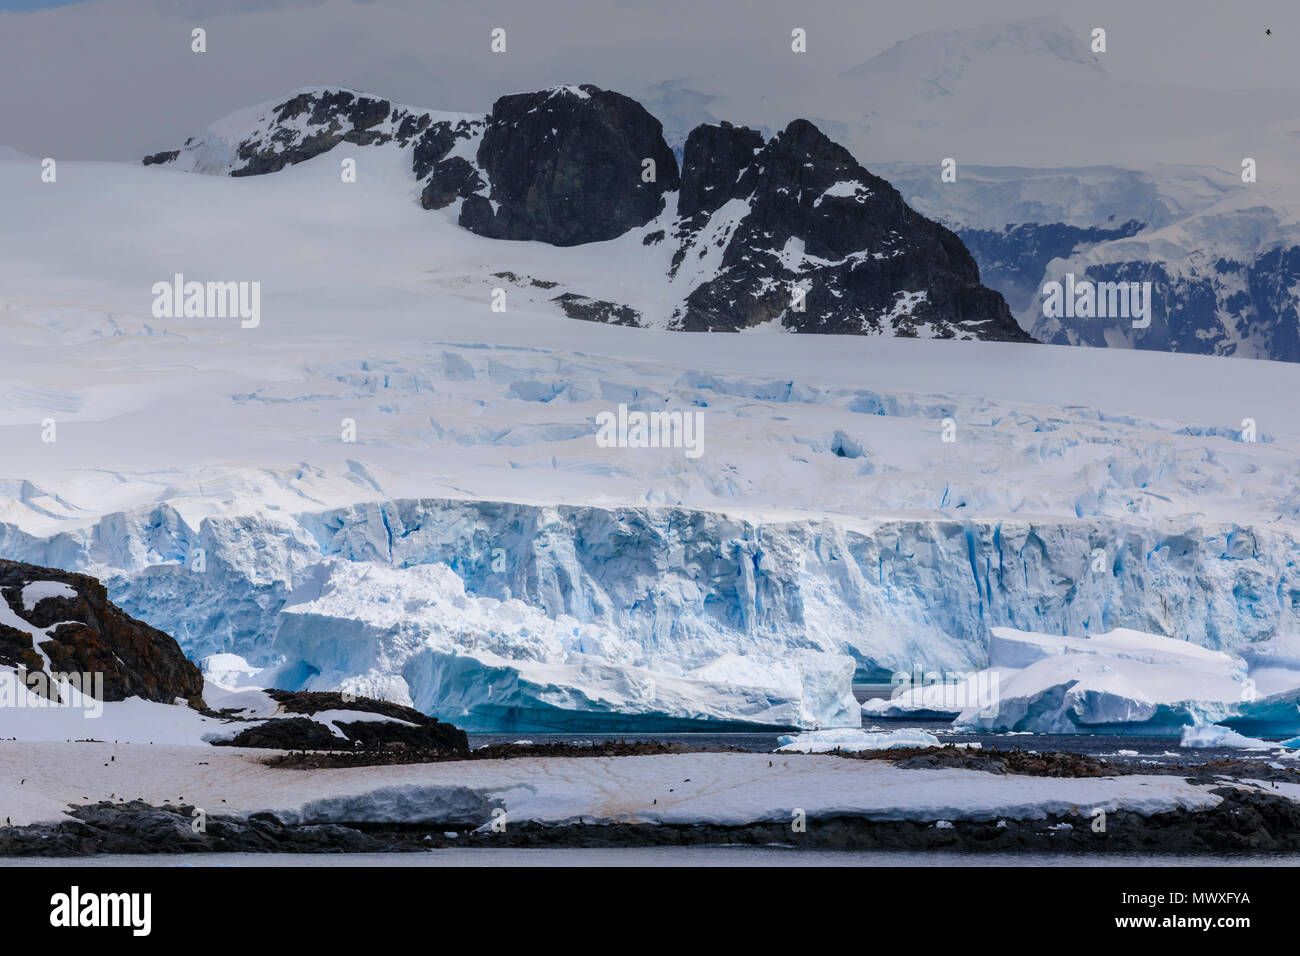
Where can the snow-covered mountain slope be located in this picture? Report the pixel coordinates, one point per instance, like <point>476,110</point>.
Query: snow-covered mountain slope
<point>1226,281</point>
<point>1220,253</point>
<point>309,121</point>
<point>201,468</point>
<point>1153,190</point>
<point>787,231</point>
<point>1222,280</point>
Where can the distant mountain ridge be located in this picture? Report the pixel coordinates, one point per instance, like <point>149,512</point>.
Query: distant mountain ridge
<point>1223,256</point>
<point>789,232</point>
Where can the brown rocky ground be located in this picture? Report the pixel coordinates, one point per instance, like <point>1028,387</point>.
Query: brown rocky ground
<point>94,636</point>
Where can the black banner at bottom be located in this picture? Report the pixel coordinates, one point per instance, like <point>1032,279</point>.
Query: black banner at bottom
<point>171,902</point>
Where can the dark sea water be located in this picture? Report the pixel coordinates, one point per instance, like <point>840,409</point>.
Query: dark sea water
<point>1137,751</point>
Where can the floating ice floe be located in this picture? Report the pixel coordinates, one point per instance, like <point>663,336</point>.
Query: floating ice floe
<point>852,740</point>
<point>1214,735</point>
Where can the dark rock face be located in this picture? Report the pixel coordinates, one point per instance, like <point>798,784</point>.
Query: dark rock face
<point>452,179</point>
<point>1013,260</point>
<point>597,310</point>
<point>285,733</point>
<point>157,159</point>
<point>565,167</point>
<point>449,178</point>
<point>336,117</point>
<point>136,827</point>
<point>1244,822</point>
<point>717,165</point>
<point>302,733</point>
<point>94,636</point>
<point>809,216</point>
<point>1228,307</point>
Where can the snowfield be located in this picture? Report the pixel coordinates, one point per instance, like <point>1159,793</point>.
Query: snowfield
<point>710,788</point>
<point>475,552</point>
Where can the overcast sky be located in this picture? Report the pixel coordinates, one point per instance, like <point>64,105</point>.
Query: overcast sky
<point>113,79</point>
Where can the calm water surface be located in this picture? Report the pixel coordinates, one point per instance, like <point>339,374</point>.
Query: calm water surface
<point>1116,749</point>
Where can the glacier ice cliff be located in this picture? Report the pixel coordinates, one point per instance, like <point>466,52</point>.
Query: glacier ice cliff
<point>497,615</point>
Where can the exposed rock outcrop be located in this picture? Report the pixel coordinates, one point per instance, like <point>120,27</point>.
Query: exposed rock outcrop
<point>565,167</point>
<point>404,726</point>
<point>68,619</point>
<point>801,219</point>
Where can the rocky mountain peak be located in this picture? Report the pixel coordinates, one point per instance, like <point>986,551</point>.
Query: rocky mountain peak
<point>717,165</point>
<point>813,240</point>
<point>566,167</point>
<point>791,230</point>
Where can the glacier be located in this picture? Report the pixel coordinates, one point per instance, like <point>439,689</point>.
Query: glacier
<point>828,533</point>
<point>519,617</point>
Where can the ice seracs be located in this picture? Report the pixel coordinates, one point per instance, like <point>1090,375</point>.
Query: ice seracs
<point>416,637</point>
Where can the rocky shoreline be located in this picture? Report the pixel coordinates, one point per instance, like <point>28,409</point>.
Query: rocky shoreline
<point>1245,822</point>
<point>391,755</point>
<point>1032,763</point>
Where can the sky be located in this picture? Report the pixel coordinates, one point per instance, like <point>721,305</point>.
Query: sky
<point>115,79</point>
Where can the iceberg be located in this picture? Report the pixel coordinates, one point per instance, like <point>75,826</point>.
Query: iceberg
<point>1126,682</point>
<point>854,740</point>
<point>1214,735</point>
<point>228,672</point>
